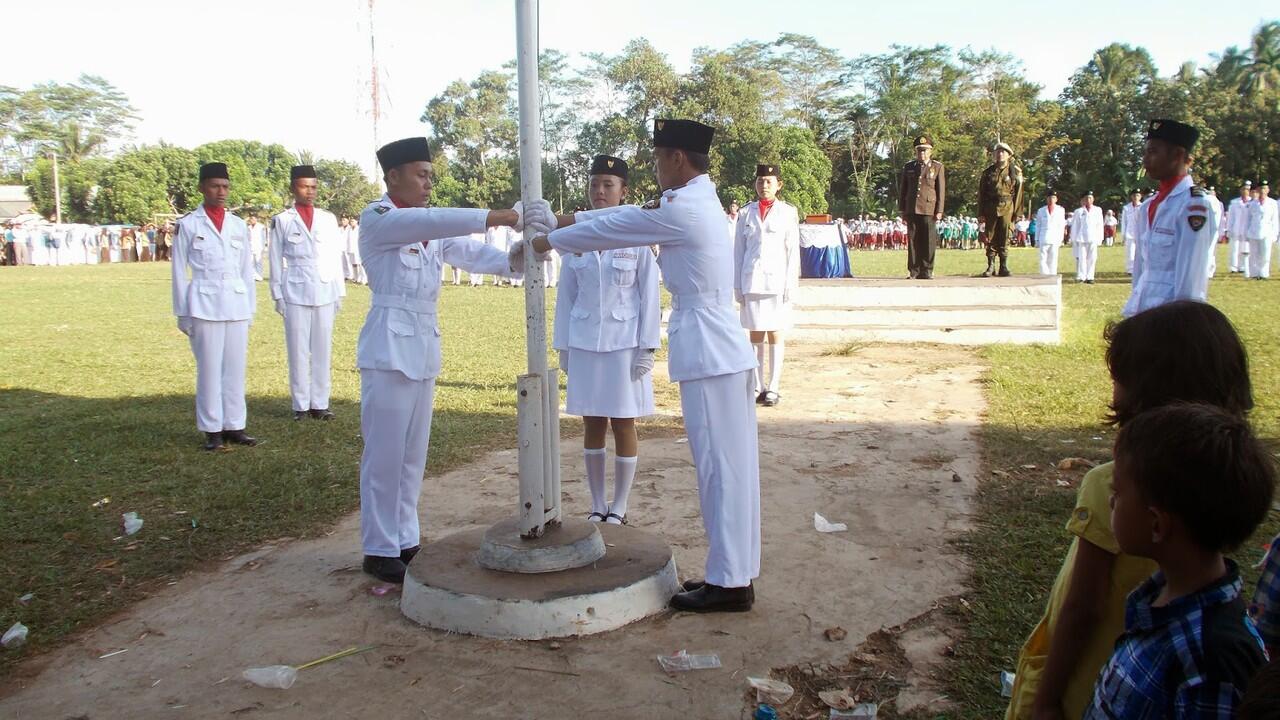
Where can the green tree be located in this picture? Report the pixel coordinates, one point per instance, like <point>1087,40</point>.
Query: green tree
<point>259,173</point>
<point>475,122</point>
<point>147,181</point>
<point>76,120</point>
<point>344,189</point>
<point>78,180</point>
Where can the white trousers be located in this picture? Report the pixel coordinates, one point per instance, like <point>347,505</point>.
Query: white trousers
<point>347,266</point>
<point>308,338</point>
<point>1130,253</point>
<point>720,420</point>
<point>1259,258</point>
<point>1234,241</point>
<point>1086,261</point>
<point>395,421</point>
<point>1048,259</point>
<point>221,349</point>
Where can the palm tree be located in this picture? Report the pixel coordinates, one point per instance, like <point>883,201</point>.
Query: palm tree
<point>74,143</point>
<point>1262,71</point>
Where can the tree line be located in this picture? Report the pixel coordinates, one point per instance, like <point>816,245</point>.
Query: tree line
<point>840,128</point>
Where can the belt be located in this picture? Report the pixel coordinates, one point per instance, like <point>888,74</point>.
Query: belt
<point>301,263</point>
<point>413,305</point>
<point>690,301</point>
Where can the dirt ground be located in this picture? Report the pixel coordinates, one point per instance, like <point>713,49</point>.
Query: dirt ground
<point>884,439</point>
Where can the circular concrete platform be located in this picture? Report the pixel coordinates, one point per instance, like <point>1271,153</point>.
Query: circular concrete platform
<point>568,544</point>
<point>447,589</point>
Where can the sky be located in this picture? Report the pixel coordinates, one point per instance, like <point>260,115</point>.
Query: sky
<point>298,73</point>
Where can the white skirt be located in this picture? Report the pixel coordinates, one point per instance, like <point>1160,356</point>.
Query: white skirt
<point>600,385</point>
<point>765,313</point>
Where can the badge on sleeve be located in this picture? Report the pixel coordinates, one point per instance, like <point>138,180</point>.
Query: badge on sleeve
<point>382,209</point>
<point>653,204</point>
<point>1196,222</point>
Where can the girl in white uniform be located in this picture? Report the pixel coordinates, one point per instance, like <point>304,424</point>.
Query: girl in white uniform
<point>766,270</point>
<point>607,330</point>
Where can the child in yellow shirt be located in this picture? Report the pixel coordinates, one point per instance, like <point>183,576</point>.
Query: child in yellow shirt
<point>1183,351</point>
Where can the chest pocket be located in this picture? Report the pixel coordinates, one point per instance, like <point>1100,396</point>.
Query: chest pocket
<point>295,245</point>
<point>207,251</point>
<point>408,273</point>
<point>624,271</point>
<point>1161,248</point>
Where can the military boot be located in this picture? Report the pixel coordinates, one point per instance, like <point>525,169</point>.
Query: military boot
<point>991,268</point>
<point>1004,268</point>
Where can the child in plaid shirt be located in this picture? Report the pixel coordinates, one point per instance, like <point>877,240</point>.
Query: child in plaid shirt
<point>1265,609</point>
<point>1191,482</point>
<point>1183,351</point>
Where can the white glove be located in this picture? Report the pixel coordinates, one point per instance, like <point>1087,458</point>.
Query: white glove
<point>539,217</point>
<point>280,306</point>
<point>519,208</point>
<point>184,325</point>
<point>642,363</point>
<point>515,257</point>
<point>564,362</point>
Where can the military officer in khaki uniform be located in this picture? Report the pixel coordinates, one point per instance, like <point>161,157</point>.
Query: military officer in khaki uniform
<point>922,190</point>
<point>999,195</point>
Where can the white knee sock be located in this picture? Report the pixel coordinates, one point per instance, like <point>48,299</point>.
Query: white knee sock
<point>775,364</point>
<point>594,459</point>
<point>759,366</point>
<point>624,469</point>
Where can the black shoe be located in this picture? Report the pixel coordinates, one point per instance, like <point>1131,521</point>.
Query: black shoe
<point>299,415</point>
<point>406,555</point>
<point>771,399</point>
<point>987,273</point>
<point>690,585</point>
<point>713,598</point>
<point>1004,272</point>
<point>322,414</point>
<point>212,441</point>
<point>386,569</point>
<point>238,437</point>
<point>761,397</point>
<point>925,276</point>
<point>1088,282</point>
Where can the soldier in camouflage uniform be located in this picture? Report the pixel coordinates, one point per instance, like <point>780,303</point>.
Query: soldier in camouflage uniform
<point>999,197</point>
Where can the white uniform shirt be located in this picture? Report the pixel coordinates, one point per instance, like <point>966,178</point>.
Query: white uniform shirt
<point>1129,222</point>
<point>221,284</point>
<point>608,301</point>
<point>1086,226</point>
<point>401,332</point>
<point>1264,219</point>
<point>766,253</point>
<point>306,264</point>
<point>1050,226</point>
<point>257,239</point>
<point>696,257</point>
<point>1238,218</point>
<point>1173,251</point>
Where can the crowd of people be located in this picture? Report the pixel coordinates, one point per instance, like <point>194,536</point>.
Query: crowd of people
<point>43,243</point>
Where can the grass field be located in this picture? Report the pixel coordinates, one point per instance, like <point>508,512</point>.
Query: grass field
<point>96,401</point>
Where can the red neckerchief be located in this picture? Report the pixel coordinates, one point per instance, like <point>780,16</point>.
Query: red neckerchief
<point>1166,187</point>
<point>765,205</point>
<point>216,215</point>
<point>306,212</point>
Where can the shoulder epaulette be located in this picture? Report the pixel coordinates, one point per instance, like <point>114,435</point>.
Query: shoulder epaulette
<point>653,204</point>
<point>1197,191</point>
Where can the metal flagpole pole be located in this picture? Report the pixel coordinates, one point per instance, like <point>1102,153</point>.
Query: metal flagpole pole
<point>540,495</point>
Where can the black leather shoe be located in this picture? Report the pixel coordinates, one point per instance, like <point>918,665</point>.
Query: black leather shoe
<point>386,569</point>
<point>760,397</point>
<point>407,554</point>
<point>299,415</point>
<point>238,437</point>
<point>322,414</point>
<point>212,441</point>
<point>713,598</point>
<point>1004,272</point>
<point>925,276</point>
<point>771,399</point>
<point>695,584</point>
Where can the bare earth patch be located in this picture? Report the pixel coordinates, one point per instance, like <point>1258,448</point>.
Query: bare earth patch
<point>844,443</point>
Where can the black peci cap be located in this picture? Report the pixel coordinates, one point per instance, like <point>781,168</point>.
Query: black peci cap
<point>301,171</point>
<point>765,170</point>
<point>214,170</point>
<point>687,135</point>
<point>609,165</point>
<point>1174,133</point>
<point>395,154</point>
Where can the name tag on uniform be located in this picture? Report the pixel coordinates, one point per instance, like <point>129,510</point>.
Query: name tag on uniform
<point>413,251</point>
<point>199,237</point>
<point>1162,231</point>
<point>626,254</point>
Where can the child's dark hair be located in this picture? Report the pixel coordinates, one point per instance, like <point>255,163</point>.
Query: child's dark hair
<point>1201,464</point>
<point>1182,351</point>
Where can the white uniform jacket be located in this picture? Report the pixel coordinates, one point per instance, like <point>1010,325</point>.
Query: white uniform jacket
<point>257,239</point>
<point>766,253</point>
<point>1173,252</point>
<point>1238,218</point>
<point>608,301</point>
<point>1050,227</point>
<point>1264,220</point>
<point>1129,221</point>
<point>401,332</point>
<point>1086,226</point>
<point>221,284</point>
<point>696,257</point>
<point>306,265</point>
